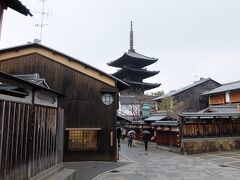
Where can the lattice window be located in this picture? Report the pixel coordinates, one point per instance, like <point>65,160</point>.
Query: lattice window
<point>82,140</point>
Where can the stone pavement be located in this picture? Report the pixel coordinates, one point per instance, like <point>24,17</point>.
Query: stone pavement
<point>87,170</point>
<point>224,158</point>
<point>157,164</point>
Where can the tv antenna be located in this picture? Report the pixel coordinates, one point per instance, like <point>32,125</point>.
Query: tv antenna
<point>43,14</point>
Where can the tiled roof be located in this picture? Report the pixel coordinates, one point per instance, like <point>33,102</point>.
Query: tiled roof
<point>210,115</point>
<point>166,123</point>
<point>144,85</point>
<point>6,77</point>
<point>138,122</point>
<point>172,93</point>
<point>12,90</point>
<point>34,78</point>
<point>135,58</point>
<point>155,118</point>
<point>228,110</point>
<point>225,87</point>
<point>140,56</point>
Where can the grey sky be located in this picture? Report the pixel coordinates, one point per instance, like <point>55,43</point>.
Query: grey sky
<point>191,38</point>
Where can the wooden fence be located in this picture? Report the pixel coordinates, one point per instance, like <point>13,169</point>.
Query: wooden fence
<point>168,138</point>
<point>217,129</point>
<point>31,139</point>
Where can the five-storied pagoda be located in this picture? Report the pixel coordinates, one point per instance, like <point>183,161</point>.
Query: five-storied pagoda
<point>133,69</point>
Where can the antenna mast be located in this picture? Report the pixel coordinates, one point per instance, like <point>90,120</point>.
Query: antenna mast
<point>43,13</point>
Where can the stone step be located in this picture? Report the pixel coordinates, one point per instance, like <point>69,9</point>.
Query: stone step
<point>65,174</point>
<point>57,172</point>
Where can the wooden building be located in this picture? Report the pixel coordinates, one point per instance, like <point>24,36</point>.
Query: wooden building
<point>31,128</point>
<point>216,127</point>
<point>15,5</point>
<point>191,95</point>
<point>226,94</point>
<point>90,104</point>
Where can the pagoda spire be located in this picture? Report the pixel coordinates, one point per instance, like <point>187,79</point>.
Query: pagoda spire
<point>131,40</point>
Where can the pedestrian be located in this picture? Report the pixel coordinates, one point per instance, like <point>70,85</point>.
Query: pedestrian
<point>130,138</point>
<point>145,139</point>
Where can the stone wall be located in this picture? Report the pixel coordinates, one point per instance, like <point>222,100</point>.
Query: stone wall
<point>200,145</point>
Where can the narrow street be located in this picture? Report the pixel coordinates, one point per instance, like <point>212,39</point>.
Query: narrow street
<point>160,165</point>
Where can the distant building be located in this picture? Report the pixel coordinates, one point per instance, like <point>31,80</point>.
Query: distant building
<point>133,70</point>
<point>191,95</point>
<point>130,105</point>
<point>219,122</point>
<point>15,5</point>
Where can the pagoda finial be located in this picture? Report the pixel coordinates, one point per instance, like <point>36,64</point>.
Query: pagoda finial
<point>131,40</point>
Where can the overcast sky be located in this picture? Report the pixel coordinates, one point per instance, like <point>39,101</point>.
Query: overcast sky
<point>190,38</point>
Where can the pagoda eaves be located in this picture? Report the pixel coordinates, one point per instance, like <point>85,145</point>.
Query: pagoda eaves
<point>132,69</point>
<point>142,85</point>
<point>127,71</point>
<point>133,58</point>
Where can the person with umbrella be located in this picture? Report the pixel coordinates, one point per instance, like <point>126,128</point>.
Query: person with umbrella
<point>130,139</point>
<point>131,136</point>
<point>145,138</point>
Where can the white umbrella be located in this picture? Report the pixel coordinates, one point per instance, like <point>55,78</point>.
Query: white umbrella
<point>131,132</point>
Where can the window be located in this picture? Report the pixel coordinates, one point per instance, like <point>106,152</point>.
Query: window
<point>82,140</point>
<point>107,99</point>
<point>227,97</point>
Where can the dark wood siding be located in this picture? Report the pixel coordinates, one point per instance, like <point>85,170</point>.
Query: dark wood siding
<point>217,129</point>
<point>168,138</point>
<point>82,105</point>
<point>193,99</point>
<point>30,137</point>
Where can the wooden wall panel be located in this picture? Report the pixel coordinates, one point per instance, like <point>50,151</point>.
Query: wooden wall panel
<point>217,99</point>
<point>216,129</point>
<point>168,138</point>
<point>235,97</point>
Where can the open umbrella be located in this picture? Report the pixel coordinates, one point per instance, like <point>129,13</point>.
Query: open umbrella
<point>131,132</point>
<point>146,132</point>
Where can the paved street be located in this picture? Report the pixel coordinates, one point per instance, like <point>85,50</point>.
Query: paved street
<point>231,159</point>
<point>160,165</point>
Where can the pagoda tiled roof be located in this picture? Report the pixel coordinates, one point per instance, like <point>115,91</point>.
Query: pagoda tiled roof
<point>143,85</point>
<point>141,72</point>
<point>135,58</point>
<point>140,56</point>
